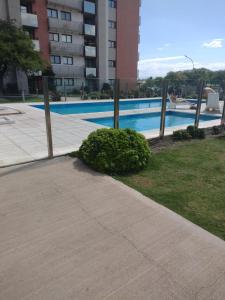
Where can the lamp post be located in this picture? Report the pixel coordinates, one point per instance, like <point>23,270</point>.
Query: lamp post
<point>193,64</point>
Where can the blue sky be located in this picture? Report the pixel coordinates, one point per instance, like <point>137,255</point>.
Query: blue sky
<point>172,28</point>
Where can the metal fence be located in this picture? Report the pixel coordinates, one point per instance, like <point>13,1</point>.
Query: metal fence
<point>31,127</point>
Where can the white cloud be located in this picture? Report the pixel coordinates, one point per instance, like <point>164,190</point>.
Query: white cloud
<point>216,43</point>
<point>161,66</point>
<point>159,59</point>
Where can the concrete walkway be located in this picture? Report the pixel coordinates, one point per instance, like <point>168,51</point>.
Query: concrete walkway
<point>68,233</point>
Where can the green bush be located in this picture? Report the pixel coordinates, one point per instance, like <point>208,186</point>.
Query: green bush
<point>54,96</point>
<point>115,151</point>
<point>94,95</point>
<point>105,96</point>
<point>196,133</point>
<point>181,135</point>
<point>216,130</point>
<point>192,130</point>
<point>201,133</point>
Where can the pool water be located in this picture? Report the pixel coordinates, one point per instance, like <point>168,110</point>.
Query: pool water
<point>150,121</point>
<point>94,107</point>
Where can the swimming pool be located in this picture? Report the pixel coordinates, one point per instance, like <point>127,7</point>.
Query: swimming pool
<point>94,107</point>
<point>150,121</point>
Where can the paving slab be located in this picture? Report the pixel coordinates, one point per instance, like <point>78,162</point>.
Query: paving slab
<point>69,233</point>
<point>25,139</point>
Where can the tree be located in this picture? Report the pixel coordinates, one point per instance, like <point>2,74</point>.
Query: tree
<point>106,88</point>
<point>185,83</point>
<point>17,51</point>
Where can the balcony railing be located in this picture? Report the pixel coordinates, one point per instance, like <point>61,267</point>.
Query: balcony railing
<point>36,44</point>
<point>68,71</point>
<point>29,20</point>
<point>74,4</point>
<point>90,51</point>
<point>65,26</point>
<point>91,72</point>
<point>66,48</point>
<point>89,29</point>
<point>89,7</point>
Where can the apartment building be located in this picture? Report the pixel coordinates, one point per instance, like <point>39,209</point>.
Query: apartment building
<point>81,39</point>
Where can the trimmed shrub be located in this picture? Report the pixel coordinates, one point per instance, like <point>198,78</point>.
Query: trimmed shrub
<point>54,96</point>
<point>216,130</point>
<point>181,135</point>
<point>115,151</point>
<point>192,130</point>
<point>196,133</point>
<point>105,96</point>
<point>201,133</point>
<point>94,95</point>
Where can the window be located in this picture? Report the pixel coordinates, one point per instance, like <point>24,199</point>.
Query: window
<point>91,72</point>
<point>30,33</point>
<point>23,9</point>
<point>112,3</point>
<point>52,13</point>
<point>112,24</point>
<point>112,63</point>
<point>112,82</point>
<point>66,38</point>
<point>90,51</point>
<point>55,59</point>
<point>67,60</point>
<point>89,7</point>
<point>65,15</point>
<point>58,82</point>
<point>68,82</point>
<point>53,37</point>
<point>89,29</point>
<point>90,62</point>
<point>112,44</point>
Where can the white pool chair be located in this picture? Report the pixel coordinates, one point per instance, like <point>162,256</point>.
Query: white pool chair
<point>213,102</point>
<point>179,101</point>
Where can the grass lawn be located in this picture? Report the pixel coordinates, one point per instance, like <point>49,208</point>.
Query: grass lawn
<point>190,180</point>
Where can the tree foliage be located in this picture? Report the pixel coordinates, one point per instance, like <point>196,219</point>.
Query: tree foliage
<point>185,81</point>
<point>17,50</point>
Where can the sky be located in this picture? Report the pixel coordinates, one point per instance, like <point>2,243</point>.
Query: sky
<point>171,29</point>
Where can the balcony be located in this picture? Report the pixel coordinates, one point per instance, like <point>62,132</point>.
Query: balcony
<point>36,44</point>
<point>89,30</point>
<point>73,4</point>
<point>112,73</point>
<point>112,53</point>
<point>65,26</point>
<point>89,8</point>
<point>29,20</point>
<point>90,51</point>
<point>91,72</point>
<point>68,71</point>
<point>66,48</point>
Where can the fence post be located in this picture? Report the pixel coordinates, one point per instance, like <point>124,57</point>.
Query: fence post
<point>64,88</point>
<point>163,110</point>
<point>23,96</point>
<point>116,103</point>
<point>223,114</point>
<point>199,104</point>
<point>47,117</point>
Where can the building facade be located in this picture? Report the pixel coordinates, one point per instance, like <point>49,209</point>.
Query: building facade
<point>82,39</point>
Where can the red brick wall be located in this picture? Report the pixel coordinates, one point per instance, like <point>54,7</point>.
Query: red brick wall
<point>127,40</point>
<point>39,7</point>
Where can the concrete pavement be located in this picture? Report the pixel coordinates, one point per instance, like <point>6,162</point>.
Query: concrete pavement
<point>68,233</point>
